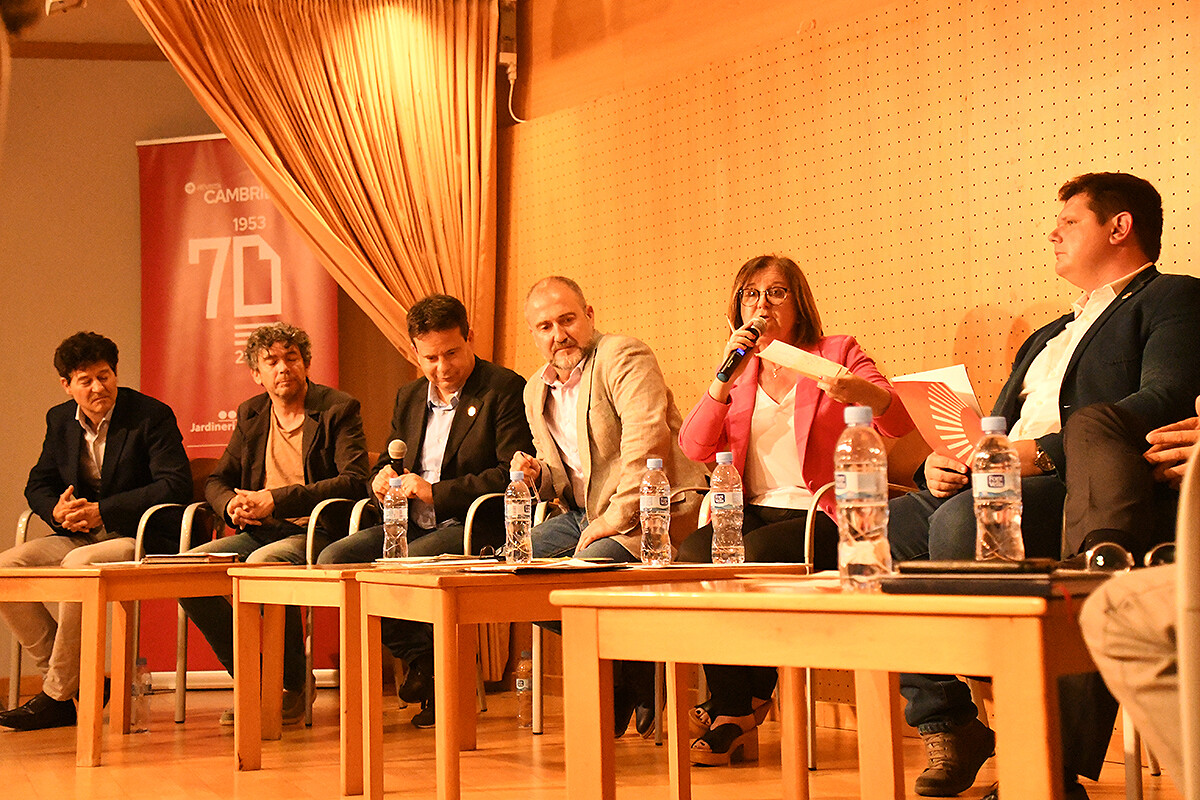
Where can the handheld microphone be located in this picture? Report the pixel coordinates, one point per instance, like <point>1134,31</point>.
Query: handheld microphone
<point>757,326</point>
<point>397,450</point>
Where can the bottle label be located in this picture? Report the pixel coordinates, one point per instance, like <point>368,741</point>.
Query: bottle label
<point>849,486</point>
<point>654,502</point>
<point>727,500</point>
<point>523,684</point>
<point>391,515</point>
<point>995,484</point>
<point>517,509</point>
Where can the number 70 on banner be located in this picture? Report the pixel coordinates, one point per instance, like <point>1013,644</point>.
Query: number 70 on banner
<point>221,247</point>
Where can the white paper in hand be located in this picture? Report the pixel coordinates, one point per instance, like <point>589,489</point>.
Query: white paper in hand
<point>807,364</point>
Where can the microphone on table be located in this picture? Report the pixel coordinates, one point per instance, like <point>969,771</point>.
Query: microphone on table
<point>397,450</point>
<point>757,326</point>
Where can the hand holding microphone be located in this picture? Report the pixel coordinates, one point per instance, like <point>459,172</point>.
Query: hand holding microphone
<point>396,451</point>
<point>751,334</point>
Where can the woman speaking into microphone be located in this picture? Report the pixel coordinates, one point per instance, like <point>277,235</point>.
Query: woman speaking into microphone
<point>781,427</point>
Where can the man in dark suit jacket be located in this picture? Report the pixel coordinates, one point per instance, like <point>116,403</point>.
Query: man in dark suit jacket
<point>109,454</point>
<point>1131,341</point>
<point>294,446</point>
<point>462,422</point>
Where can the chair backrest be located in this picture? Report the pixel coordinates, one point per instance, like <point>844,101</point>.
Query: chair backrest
<point>1187,559</point>
<point>201,469</point>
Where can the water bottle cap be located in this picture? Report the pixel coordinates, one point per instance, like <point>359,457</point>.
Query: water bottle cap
<point>516,475</point>
<point>526,654</point>
<point>395,482</point>
<point>994,425</point>
<point>724,457</point>
<point>654,463</point>
<point>858,415</point>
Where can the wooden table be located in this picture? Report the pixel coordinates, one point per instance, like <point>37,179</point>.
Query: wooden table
<point>95,586</point>
<point>455,601</point>
<point>1025,643</point>
<point>257,689</point>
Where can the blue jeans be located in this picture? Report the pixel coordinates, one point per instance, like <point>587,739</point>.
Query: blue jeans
<point>559,535</point>
<point>922,526</point>
<point>214,615</point>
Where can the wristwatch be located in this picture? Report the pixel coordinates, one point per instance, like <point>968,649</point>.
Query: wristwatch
<point>1042,461</point>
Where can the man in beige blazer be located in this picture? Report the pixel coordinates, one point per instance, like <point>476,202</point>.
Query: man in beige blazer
<point>598,409</point>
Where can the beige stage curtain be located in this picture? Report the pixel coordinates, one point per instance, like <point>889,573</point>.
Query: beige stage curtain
<point>372,125</point>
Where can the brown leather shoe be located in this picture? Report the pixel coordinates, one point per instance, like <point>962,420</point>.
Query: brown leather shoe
<point>955,757</point>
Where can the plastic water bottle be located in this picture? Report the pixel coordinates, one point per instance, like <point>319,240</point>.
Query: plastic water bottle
<point>656,514</point>
<point>395,521</point>
<point>518,519</point>
<point>726,492</point>
<point>996,488</point>
<point>860,485</point>
<point>139,699</point>
<point>524,683</point>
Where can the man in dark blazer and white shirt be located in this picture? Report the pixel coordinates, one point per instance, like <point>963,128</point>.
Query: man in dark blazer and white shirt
<point>462,421</point>
<point>293,446</point>
<point>1131,341</point>
<point>109,454</point>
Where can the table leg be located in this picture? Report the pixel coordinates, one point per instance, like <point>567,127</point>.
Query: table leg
<point>91,675</point>
<point>447,696</point>
<point>678,757</point>
<point>793,712</point>
<point>272,672</point>
<point>351,691</point>
<point>372,706</point>
<point>880,764</point>
<point>247,649</point>
<point>468,708</point>
<point>123,648</point>
<point>1028,742</point>
<point>588,709</point>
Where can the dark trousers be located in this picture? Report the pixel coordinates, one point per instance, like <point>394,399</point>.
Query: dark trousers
<point>409,640</point>
<point>1111,492</point>
<point>770,534</point>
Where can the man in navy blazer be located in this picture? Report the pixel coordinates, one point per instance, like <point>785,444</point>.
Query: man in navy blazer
<point>109,454</point>
<point>1130,341</point>
<point>461,421</point>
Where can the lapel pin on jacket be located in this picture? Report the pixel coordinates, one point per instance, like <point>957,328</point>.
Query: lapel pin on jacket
<point>471,411</point>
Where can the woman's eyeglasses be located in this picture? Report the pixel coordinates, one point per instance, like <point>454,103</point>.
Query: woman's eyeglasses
<point>775,296</point>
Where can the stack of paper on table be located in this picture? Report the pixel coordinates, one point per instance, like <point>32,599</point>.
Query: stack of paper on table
<point>944,408</point>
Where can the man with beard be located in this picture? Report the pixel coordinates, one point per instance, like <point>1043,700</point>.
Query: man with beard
<point>598,409</point>
<point>295,445</point>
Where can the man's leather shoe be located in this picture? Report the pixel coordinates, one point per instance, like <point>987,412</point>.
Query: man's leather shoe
<point>955,757</point>
<point>1072,791</point>
<point>425,718</point>
<point>42,711</point>
<point>418,683</point>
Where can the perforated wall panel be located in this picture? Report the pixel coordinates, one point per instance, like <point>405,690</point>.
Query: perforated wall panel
<point>908,159</point>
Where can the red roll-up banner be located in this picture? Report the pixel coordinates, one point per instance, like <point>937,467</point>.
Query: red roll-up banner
<point>219,260</point>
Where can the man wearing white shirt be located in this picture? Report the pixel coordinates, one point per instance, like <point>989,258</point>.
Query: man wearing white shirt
<point>109,454</point>
<point>1130,341</point>
<point>462,421</point>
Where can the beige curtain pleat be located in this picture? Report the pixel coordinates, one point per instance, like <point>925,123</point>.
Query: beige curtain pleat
<point>493,649</point>
<point>372,125</point>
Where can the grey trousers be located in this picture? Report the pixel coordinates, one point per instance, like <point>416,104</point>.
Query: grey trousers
<point>1129,625</point>
<point>54,646</point>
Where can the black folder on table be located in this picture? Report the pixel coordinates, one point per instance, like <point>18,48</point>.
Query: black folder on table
<point>1059,583</point>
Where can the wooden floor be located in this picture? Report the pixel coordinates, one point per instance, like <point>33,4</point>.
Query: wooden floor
<point>195,760</point>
